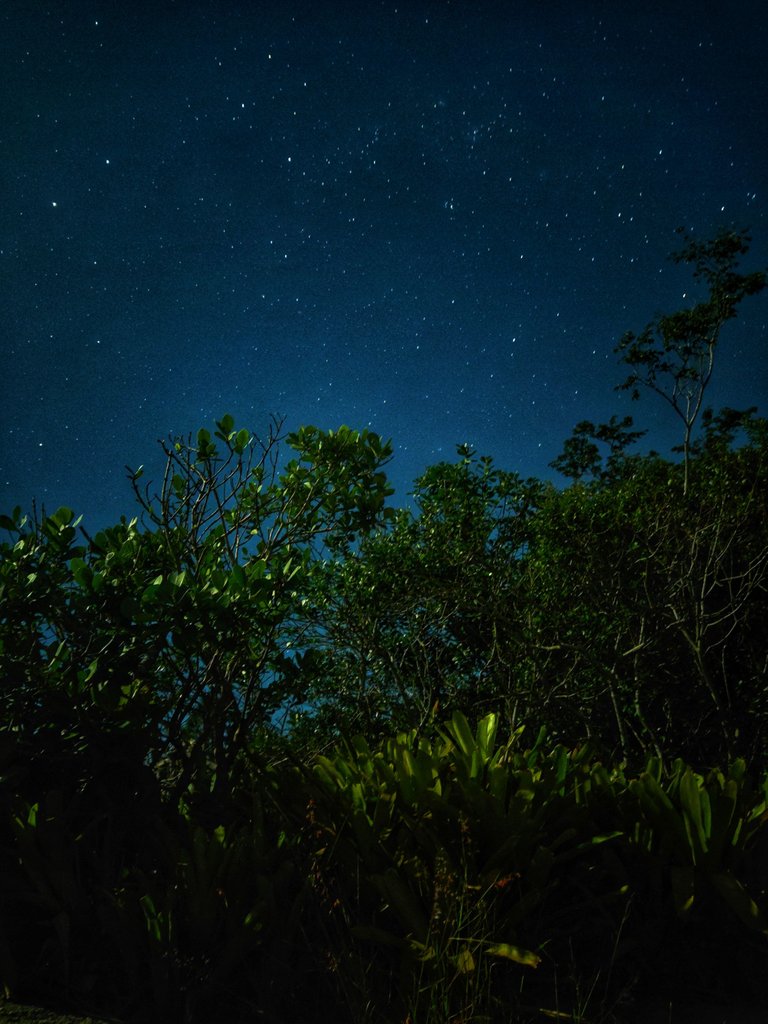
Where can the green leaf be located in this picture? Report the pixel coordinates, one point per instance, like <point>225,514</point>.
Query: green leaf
<point>63,516</point>
<point>526,957</point>
<point>237,579</point>
<point>486,734</point>
<point>461,732</point>
<point>739,901</point>
<point>683,888</point>
<point>81,573</point>
<point>465,962</point>
<point>695,805</point>
<point>724,821</point>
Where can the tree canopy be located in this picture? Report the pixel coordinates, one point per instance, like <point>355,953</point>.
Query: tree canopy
<point>234,733</point>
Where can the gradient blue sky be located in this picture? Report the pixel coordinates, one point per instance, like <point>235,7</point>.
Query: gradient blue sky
<point>432,219</point>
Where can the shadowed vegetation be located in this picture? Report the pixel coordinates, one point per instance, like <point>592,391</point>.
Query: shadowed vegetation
<point>275,750</point>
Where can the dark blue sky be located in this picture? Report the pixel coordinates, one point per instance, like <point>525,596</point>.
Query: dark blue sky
<point>433,219</point>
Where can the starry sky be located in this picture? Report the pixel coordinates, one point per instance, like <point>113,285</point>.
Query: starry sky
<point>434,220</point>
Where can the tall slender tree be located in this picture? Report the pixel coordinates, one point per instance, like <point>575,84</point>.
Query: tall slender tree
<point>674,355</point>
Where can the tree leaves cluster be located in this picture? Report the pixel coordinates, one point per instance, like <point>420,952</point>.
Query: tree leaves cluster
<point>257,599</point>
<point>266,600</point>
<point>182,631</point>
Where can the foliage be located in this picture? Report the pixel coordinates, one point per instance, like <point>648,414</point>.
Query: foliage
<point>652,600</point>
<point>409,617</point>
<point>183,633</point>
<point>623,610</point>
<point>445,876</point>
<point>581,455</point>
<point>464,843</point>
<point>674,356</point>
<point>237,775</point>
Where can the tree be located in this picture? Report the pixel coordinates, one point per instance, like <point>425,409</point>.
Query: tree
<point>650,599</point>
<point>185,628</point>
<point>674,355</point>
<point>690,578</point>
<point>581,455</point>
<point>423,614</point>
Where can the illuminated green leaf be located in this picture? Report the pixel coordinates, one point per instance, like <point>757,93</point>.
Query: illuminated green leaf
<point>508,952</point>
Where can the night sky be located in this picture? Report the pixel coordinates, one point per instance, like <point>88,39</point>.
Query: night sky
<point>431,219</point>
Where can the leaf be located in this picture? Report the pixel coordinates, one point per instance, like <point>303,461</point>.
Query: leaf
<point>81,572</point>
<point>696,810</point>
<point>237,579</point>
<point>152,917</point>
<point>63,516</point>
<point>683,888</point>
<point>505,951</point>
<point>461,732</point>
<point>739,901</point>
<point>725,821</point>
<point>486,733</point>
<point>465,962</point>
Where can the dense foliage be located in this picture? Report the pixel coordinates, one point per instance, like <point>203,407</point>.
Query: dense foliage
<point>235,758</point>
